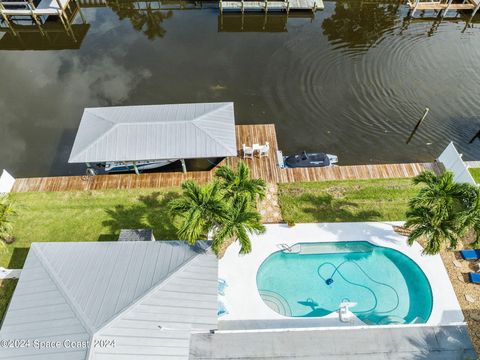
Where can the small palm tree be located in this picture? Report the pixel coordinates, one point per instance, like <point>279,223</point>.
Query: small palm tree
<point>239,182</point>
<point>240,221</point>
<point>6,212</point>
<point>433,212</point>
<point>469,218</point>
<point>436,231</point>
<point>441,193</point>
<point>199,208</point>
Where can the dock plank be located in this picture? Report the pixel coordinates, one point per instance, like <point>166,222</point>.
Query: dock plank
<point>265,168</point>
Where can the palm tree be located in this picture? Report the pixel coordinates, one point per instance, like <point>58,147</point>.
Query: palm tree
<point>434,212</point>
<point>239,182</point>
<point>200,210</point>
<point>436,231</point>
<point>240,221</point>
<point>441,193</point>
<point>6,212</point>
<point>470,217</point>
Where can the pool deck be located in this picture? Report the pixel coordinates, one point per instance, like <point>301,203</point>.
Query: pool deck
<point>239,271</point>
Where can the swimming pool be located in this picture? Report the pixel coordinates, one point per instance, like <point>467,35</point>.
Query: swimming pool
<point>312,279</point>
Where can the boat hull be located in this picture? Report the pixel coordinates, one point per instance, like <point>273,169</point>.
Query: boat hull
<point>305,160</point>
<point>114,167</point>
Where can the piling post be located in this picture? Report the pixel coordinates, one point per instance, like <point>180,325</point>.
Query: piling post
<point>184,167</point>
<point>418,124</point>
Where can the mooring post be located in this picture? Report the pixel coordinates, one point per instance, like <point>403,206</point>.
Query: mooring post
<point>418,124</point>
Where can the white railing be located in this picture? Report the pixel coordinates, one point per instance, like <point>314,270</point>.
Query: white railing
<point>452,160</point>
<point>6,182</point>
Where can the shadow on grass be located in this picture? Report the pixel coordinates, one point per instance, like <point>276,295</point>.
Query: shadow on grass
<point>7,287</point>
<point>151,212</point>
<point>19,255</point>
<point>325,208</point>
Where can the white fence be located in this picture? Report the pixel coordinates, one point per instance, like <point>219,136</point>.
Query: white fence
<point>6,182</point>
<point>452,160</point>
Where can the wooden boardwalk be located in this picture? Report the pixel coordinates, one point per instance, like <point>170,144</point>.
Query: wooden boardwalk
<point>265,168</point>
<point>443,6</point>
<point>282,5</point>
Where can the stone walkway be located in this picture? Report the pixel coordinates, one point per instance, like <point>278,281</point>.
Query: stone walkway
<point>269,207</point>
<point>468,294</point>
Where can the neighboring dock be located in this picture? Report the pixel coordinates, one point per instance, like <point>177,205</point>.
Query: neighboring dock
<point>266,168</point>
<point>266,6</point>
<point>443,6</point>
<point>39,12</point>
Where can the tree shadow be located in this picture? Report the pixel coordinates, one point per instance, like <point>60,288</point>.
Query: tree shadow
<point>151,212</point>
<point>326,208</point>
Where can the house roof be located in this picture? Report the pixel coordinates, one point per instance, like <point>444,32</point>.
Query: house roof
<point>155,132</point>
<point>146,296</point>
<point>374,343</point>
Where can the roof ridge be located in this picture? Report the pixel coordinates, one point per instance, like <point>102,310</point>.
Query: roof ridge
<point>60,286</point>
<point>88,146</point>
<point>200,118</point>
<point>151,290</point>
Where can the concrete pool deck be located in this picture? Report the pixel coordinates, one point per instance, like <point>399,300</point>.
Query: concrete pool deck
<point>247,310</point>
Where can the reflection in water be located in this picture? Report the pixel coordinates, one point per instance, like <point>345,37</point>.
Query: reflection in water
<point>298,73</point>
<point>45,32</point>
<point>146,17</point>
<point>258,22</point>
<point>360,24</point>
<point>52,36</point>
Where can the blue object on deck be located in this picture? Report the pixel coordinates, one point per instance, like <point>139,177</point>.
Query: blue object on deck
<point>222,285</point>
<point>474,277</point>
<point>470,254</point>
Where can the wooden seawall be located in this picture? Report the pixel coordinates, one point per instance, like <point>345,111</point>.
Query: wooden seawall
<point>265,168</point>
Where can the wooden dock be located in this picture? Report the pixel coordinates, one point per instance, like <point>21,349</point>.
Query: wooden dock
<point>443,6</point>
<point>265,168</point>
<point>266,6</point>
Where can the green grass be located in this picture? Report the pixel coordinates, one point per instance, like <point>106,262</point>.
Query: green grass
<point>85,216</point>
<point>350,200</point>
<point>6,291</point>
<point>475,172</point>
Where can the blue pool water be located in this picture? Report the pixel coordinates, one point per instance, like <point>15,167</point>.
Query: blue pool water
<point>311,281</point>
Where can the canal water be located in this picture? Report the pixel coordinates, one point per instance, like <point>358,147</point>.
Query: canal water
<point>352,81</point>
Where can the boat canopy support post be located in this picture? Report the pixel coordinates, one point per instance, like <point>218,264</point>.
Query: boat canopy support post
<point>184,167</point>
<point>136,169</point>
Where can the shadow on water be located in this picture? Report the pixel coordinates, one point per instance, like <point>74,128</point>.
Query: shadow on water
<point>360,24</point>
<point>151,212</point>
<point>325,208</point>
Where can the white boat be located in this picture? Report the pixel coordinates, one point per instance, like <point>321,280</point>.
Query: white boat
<point>125,166</point>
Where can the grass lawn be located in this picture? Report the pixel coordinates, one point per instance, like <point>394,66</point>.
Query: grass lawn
<point>6,291</point>
<point>85,216</point>
<point>349,200</point>
<point>475,172</point>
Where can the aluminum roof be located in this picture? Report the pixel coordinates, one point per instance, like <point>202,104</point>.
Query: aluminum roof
<point>155,132</point>
<point>447,342</point>
<point>147,296</point>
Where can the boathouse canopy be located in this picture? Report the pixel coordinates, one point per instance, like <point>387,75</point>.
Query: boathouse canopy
<point>155,132</point>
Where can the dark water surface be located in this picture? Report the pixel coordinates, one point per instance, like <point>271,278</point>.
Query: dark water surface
<point>353,81</point>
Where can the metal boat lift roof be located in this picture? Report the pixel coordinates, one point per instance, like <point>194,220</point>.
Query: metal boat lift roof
<point>155,132</point>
